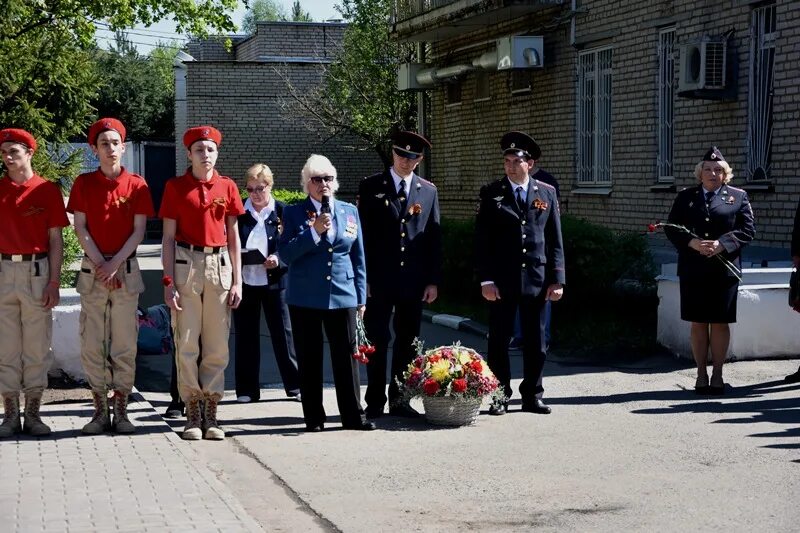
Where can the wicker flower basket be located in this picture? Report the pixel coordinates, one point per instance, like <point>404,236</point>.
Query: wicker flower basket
<point>448,411</point>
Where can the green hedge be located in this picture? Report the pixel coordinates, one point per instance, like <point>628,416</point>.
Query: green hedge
<point>72,251</point>
<point>284,195</point>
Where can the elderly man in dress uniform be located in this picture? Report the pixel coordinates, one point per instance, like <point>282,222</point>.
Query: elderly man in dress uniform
<point>31,247</point>
<point>201,253</point>
<point>403,245</point>
<point>111,207</point>
<point>520,264</point>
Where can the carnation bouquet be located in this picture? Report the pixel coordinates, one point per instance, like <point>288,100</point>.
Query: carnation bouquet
<point>454,371</point>
<point>452,382</point>
<point>733,269</point>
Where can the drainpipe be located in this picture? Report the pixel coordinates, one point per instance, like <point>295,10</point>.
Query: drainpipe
<point>181,108</point>
<point>422,122</point>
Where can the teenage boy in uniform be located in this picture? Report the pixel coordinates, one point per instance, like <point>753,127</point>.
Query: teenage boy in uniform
<point>31,247</point>
<point>201,253</point>
<point>111,207</point>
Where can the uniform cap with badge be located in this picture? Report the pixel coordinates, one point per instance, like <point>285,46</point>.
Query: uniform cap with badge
<point>201,133</point>
<point>409,144</point>
<point>713,154</point>
<point>16,135</point>
<point>105,124</point>
<point>520,144</point>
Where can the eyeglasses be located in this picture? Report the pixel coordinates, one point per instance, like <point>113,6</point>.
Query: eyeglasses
<point>260,188</point>
<point>320,179</point>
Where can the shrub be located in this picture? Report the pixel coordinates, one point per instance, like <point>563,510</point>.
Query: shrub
<point>283,195</point>
<point>72,251</point>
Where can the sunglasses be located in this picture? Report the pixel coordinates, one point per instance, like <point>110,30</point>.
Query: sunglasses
<point>320,179</point>
<point>260,188</point>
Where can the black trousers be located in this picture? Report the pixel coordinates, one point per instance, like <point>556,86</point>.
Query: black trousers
<point>247,325</point>
<point>340,328</point>
<point>534,346</point>
<point>406,324</point>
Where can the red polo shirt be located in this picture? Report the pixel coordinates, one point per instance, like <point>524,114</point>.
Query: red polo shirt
<point>110,206</point>
<point>200,207</point>
<point>27,212</point>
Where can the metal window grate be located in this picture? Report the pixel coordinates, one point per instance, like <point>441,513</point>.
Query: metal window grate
<point>715,65</point>
<point>763,35</point>
<point>666,104</point>
<point>594,117</point>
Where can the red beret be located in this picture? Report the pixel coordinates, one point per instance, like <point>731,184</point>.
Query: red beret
<point>105,124</point>
<point>16,135</point>
<point>201,133</point>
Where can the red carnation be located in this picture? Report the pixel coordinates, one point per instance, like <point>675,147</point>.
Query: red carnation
<point>370,349</point>
<point>167,281</point>
<point>651,228</point>
<point>459,385</point>
<point>430,387</point>
<point>476,366</point>
<point>362,348</point>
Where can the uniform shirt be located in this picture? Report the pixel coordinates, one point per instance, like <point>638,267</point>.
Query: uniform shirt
<point>332,231</point>
<point>27,212</point>
<point>110,206</point>
<point>199,208</point>
<point>397,179</point>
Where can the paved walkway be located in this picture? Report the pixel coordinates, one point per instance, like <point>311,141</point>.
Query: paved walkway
<point>147,482</point>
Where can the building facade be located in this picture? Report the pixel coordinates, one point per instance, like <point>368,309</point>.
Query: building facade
<point>625,99</point>
<point>241,91</point>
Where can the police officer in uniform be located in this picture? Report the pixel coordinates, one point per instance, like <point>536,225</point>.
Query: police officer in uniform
<point>720,219</point>
<point>403,244</point>
<point>520,264</point>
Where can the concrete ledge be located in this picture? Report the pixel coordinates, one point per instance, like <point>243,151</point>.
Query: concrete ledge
<point>66,341</point>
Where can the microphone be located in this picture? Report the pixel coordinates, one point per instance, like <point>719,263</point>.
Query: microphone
<point>325,204</point>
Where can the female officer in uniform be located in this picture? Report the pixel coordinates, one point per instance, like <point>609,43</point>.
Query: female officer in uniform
<point>719,221</point>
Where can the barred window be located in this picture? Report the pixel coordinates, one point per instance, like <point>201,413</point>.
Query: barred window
<point>594,117</point>
<point>453,93</point>
<point>666,103</point>
<point>763,35</point>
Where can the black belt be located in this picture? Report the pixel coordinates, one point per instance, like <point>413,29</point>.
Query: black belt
<point>204,249</point>
<point>23,257</point>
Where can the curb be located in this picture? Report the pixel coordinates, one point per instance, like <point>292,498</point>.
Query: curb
<point>456,322</point>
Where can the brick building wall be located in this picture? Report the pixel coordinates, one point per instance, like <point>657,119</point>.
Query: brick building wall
<point>466,135</point>
<point>242,99</point>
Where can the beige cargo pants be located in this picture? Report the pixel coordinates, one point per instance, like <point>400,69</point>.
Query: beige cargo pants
<point>26,327</point>
<point>203,281</point>
<point>108,326</point>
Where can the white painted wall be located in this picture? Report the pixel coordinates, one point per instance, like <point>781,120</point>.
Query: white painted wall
<point>766,326</point>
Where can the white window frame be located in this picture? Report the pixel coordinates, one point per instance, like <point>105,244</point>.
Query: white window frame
<point>666,105</point>
<point>593,116</point>
<point>760,95</point>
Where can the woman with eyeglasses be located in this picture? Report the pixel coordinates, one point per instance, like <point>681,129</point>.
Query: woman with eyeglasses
<point>263,287</point>
<point>323,246</point>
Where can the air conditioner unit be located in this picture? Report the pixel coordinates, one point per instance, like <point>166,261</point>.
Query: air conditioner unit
<point>703,65</point>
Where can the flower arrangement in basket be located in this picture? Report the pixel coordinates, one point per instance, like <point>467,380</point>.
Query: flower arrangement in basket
<point>452,381</point>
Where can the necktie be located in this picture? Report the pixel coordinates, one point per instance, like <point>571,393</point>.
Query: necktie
<point>520,202</point>
<point>401,194</point>
<point>709,197</point>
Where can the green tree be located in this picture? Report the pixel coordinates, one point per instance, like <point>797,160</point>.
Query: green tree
<point>138,89</point>
<point>358,94</point>
<point>299,14</point>
<point>48,77</point>
<point>263,10</point>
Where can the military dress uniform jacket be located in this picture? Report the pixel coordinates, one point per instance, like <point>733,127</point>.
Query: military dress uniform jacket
<point>403,246</point>
<point>728,219</point>
<point>323,275</point>
<point>254,257</point>
<point>521,252</point>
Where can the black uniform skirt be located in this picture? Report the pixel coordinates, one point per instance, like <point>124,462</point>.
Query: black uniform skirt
<point>711,300</point>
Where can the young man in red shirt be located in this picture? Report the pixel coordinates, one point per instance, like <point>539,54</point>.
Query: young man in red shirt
<point>201,254</point>
<point>31,247</point>
<point>111,207</point>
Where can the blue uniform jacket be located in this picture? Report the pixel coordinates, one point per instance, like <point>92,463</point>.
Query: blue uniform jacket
<point>254,257</point>
<point>323,275</point>
<point>728,219</point>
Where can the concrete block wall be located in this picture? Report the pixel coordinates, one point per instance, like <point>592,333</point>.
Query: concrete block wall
<point>466,135</point>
